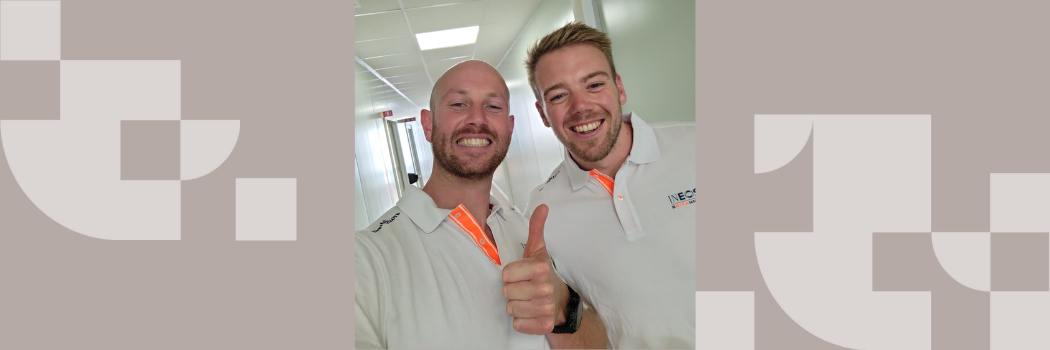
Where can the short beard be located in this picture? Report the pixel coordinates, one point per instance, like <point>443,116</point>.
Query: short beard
<point>604,145</point>
<point>447,160</point>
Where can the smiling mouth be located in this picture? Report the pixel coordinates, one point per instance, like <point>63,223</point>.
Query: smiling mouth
<point>587,128</point>
<point>474,142</point>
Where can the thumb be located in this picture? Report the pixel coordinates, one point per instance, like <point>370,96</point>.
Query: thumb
<point>535,244</point>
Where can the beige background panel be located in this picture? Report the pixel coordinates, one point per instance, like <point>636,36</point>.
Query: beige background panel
<point>280,69</point>
<point>975,67</point>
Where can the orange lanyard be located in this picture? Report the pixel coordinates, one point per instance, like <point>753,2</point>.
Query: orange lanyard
<point>603,180</point>
<point>462,217</point>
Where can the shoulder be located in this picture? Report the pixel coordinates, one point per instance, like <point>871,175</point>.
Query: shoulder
<point>389,229</point>
<point>676,138</point>
<point>537,194</point>
<point>674,129</point>
<point>386,224</point>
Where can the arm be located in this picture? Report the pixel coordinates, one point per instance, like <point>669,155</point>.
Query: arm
<point>368,292</point>
<point>590,335</point>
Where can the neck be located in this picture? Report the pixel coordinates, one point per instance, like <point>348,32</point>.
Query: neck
<point>616,157</point>
<point>449,191</point>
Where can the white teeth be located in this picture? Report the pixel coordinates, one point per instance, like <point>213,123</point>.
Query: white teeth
<point>473,142</point>
<point>587,127</point>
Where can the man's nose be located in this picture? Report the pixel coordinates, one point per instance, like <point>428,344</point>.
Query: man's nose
<point>579,104</point>
<point>476,115</point>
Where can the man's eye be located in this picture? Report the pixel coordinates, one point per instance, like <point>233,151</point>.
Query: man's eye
<point>458,104</point>
<point>597,85</point>
<point>495,107</point>
<point>556,97</point>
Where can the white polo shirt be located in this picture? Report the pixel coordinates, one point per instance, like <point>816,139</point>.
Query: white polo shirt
<point>628,246</point>
<point>426,277</point>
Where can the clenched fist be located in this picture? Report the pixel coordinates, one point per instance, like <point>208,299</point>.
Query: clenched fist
<point>536,296</point>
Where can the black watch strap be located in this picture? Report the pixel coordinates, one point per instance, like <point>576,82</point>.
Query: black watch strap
<point>573,315</point>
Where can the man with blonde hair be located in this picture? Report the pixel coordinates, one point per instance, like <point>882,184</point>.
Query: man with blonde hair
<point>430,272</point>
<point>621,228</point>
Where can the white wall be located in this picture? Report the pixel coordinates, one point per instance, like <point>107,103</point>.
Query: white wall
<point>374,177</point>
<point>654,48</point>
<point>360,205</point>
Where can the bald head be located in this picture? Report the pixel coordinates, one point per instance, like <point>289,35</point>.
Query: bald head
<point>472,71</point>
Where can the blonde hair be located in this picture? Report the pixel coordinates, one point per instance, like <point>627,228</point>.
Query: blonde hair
<point>574,33</point>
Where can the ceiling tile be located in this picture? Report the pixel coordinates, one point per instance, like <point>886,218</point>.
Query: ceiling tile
<point>373,6</point>
<point>414,89</point>
<point>411,4</point>
<point>407,78</point>
<point>391,94</point>
<point>431,19</point>
<point>406,84</point>
<point>376,84</point>
<point>448,52</point>
<point>437,68</point>
<point>382,91</point>
<point>502,11</point>
<point>378,26</point>
<point>393,60</point>
<point>494,40</point>
<point>492,58</point>
<point>410,69</point>
<point>380,47</point>
<point>500,33</point>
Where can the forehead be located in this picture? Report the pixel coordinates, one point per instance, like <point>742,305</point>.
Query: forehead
<point>472,82</point>
<point>570,62</point>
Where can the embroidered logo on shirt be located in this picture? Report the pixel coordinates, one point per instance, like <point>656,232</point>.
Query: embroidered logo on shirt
<point>384,222</point>
<point>683,198</point>
<point>548,181</point>
<point>551,178</point>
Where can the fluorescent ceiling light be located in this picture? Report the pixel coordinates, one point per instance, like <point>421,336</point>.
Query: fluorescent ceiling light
<point>447,38</point>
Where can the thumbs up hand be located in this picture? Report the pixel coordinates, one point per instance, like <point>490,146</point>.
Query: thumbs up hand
<point>536,295</point>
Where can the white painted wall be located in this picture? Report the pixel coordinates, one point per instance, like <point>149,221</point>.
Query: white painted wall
<point>374,174</point>
<point>654,48</point>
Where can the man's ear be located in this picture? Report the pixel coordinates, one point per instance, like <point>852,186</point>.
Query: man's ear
<point>543,116</point>
<point>428,123</point>
<point>623,93</point>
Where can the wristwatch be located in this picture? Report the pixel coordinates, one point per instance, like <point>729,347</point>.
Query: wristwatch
<point>572,315</point>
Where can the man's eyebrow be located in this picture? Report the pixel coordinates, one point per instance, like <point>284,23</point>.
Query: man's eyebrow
<point>592,75</point>
<point>450,91</point>
<point>582,80</point>
<point>555,86</point>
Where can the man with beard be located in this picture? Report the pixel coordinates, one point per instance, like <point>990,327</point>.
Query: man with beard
<point>430,274</point>
<point>621,228</point>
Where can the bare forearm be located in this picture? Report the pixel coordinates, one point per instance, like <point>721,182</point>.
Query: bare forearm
<point>591,334</point>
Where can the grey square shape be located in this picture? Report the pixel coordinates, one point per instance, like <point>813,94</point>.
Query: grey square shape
<point>149,149</point>
<point>29,90</point>
<point>1020,261</point>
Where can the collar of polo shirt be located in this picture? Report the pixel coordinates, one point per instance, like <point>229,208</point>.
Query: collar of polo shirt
<point>422,210</point>
<point>643,151</point>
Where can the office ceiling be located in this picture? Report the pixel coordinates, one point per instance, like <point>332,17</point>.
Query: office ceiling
<point>384,39</point>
